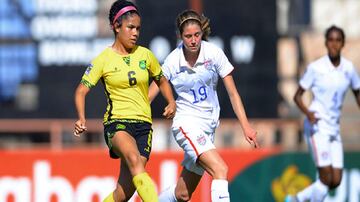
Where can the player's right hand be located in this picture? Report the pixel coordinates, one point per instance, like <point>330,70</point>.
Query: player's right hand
<point>79,127</point>
<point>170,110</point>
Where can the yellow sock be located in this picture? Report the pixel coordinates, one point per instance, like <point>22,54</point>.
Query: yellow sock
<point>109,198</point>
<point>145,187</point>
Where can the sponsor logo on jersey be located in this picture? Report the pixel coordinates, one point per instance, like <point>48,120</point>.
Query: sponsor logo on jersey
<point>126,59</point>
<point>142,64</point>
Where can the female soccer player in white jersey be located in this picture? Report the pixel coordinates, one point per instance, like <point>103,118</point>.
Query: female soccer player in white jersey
<point>124,69</point>
<point>328,78</point>
<point>194,68</point>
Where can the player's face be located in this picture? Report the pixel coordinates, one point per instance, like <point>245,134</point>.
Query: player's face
<point>334,43</point>
<point>191,37</point>
<point>129,31</point>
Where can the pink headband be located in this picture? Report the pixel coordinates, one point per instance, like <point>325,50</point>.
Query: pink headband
<point>122,11</point>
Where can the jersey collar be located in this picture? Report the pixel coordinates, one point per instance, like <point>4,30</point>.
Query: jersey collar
<point>200,59</point>
<point>331,66</point>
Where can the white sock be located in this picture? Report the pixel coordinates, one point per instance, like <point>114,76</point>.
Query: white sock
<point>305,194</point>
<point>219,191</point>
<point>168,195</point>
<point>319,192</point>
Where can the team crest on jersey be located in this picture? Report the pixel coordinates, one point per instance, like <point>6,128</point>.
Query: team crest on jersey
<point>201,139</point>
<point>142,64</point>
<point>88,69</point>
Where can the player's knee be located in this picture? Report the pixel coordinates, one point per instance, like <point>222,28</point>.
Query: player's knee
<point>326,176</point>
<point>122,199</point>
<point>220,171</point>
<point>133,160</point>
<point>121,196</point>
<point>336,179</point>
<point>182,195</point>
<point>326,181</point>
<point>335,183</point>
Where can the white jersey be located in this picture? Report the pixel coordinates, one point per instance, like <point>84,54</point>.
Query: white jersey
<point>196,86</point>
<point>329,85</point>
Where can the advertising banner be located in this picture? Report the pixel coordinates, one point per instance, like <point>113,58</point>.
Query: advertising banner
<point>90,175</point>
<point>271,179</point>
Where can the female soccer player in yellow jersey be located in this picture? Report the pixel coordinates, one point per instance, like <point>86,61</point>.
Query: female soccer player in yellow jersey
<point>124,69</point>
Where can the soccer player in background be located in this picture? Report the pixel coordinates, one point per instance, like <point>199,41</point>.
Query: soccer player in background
<point>124,69</point>
<point>194,68</point>
<point>328,78</point>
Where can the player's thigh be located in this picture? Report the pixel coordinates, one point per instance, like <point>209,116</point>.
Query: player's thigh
<point>124,145</point>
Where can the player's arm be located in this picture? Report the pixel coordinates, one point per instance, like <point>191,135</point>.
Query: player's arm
<point>80,94</point>
<point>166,91</point>
<point>357,96</point>
<point>153,91</point>
<point>299,102</point>
<point>238,107</point>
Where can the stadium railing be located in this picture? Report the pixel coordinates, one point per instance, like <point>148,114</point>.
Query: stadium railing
<point>58,133</point>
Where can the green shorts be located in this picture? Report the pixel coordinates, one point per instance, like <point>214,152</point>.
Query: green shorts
<point>141,131</point>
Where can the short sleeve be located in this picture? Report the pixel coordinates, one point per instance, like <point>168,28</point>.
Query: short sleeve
<point>307,80</point>
<point>223,65</point>
<point>166,70</point>
<point>354,79</point>
<point>93,73</point>
<point>154,67</point>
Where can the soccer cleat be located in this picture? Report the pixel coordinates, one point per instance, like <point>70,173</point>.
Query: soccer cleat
<point>290,198</point>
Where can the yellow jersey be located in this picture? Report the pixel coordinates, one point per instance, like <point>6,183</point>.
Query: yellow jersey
<point>126,82</point>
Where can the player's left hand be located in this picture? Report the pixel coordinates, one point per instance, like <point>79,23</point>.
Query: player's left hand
<point>250,136</point>
<point>169,111</point>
